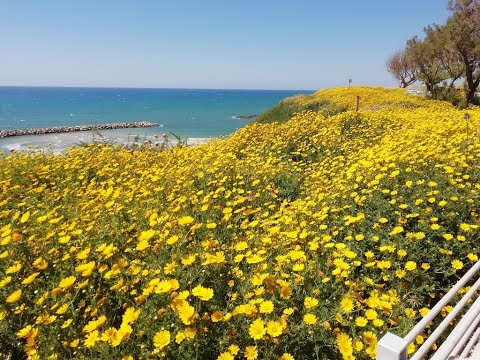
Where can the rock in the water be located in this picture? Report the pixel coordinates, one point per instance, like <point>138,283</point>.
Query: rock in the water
<point>242,117</point>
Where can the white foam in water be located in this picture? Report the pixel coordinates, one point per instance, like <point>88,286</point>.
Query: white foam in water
<point>14,147</point>
<point>62,141</point>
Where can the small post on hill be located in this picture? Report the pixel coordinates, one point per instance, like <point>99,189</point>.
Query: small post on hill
<point>357,105</point>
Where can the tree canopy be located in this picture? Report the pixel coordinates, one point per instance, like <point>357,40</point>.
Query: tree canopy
<point>445,54</point>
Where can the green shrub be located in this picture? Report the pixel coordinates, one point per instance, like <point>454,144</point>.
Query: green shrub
<point>285,109</point>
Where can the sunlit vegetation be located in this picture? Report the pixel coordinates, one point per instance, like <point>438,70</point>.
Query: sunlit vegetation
<point>292,105</point>
<point>303,240</point>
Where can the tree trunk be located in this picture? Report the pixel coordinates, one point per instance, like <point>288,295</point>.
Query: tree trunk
<point>470,82</point>
<point>452,81</point>
<point>470,91</point>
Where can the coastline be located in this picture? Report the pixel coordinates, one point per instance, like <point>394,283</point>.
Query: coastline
<point>59,143</point>
<point>66,129</point>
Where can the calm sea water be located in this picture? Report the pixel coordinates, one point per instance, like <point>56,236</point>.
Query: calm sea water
<point>189,113</point>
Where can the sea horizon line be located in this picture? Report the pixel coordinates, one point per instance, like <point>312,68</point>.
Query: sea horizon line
<point>143,88</point>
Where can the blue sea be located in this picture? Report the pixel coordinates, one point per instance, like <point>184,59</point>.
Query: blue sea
<point>193,114</point>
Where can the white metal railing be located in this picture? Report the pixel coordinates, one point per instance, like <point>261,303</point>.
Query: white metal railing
<point>463,339</point>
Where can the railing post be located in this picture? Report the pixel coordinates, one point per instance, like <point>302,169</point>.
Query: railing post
<point>458,333</point>
<point>392,347</point>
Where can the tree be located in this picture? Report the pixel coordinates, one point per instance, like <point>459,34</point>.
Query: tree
<point>445,54</point>
<point>462,31</point>
<point>436,36</point>
<point>401,68</point>
<point>423,55</point>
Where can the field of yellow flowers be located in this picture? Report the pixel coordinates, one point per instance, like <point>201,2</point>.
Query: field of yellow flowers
<point>303,240</point>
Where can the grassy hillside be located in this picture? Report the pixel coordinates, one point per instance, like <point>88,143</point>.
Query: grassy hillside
<point>302,240</point>
<point>292,105</point>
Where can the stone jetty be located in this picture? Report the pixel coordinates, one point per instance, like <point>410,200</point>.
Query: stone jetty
<point>65,129</point>
<point>243,117</point>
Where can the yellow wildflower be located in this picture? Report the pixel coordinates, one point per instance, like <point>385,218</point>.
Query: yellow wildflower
<point>266,307</point>
<point>92,339</point>
<point>274,328</point>
<point>67,282</point>
<point>202,293</point>
<point>161,339</point>
<point>310,319</point>
<point>14,297</point>
<point>257,329</point>
<point>410,266</point>
<point>251,353</point>
<point>457,264</point>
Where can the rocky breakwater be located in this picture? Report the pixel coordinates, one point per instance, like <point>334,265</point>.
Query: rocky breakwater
<point>244,117</point>
<point>65,129</point>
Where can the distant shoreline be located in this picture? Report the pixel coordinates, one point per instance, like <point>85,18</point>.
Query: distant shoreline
<point>66,129</point>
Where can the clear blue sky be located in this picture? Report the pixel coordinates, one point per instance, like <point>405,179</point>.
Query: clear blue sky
<point>250,44</point>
